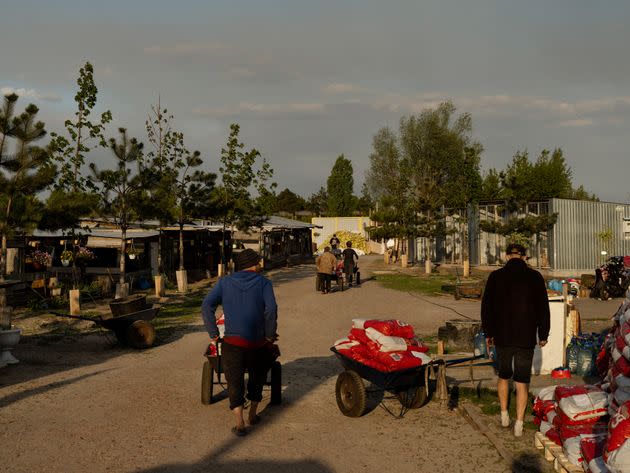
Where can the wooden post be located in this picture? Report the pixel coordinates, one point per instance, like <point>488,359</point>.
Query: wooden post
<point>466,268</point>
<point>220,270</point>
<point>427,266</point>
<point>159,285</point>
<point>440,347</point>
<point>75,304</point>
<point>404,260</point>
<point>122,290</point>
<point>182,281</point>
<point>386,257</point>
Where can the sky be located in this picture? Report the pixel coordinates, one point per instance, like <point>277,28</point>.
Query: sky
<point>308,81</point>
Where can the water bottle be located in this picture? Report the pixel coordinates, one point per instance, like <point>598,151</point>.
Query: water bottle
<point>480,344</point>
<point>572,355</point>
<point>585,362</point>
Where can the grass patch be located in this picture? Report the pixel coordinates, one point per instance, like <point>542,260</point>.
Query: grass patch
<point>427,285</point>
<point>488,402</point>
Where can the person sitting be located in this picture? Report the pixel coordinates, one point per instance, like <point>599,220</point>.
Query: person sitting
<point>325,264</point>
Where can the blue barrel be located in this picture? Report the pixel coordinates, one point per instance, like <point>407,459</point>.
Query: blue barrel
<point>480,344</point>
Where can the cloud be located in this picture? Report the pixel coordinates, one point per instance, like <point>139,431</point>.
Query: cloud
<point>212,49</point>
<point>30,94</point>
<point>578,122</point>
<point>342,88</point>
<point>263,110</point>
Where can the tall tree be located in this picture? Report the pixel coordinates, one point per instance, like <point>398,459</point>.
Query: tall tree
<point>23,173</point>
<point>432,164</point>
<point>340,188</point>
<point>121,188</point>
<point>70,152</point>
<point>239,174</point>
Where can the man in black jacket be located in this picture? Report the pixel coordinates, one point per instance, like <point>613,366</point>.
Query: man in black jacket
<point>514,310</point>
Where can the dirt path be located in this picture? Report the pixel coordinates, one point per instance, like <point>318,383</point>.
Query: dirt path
<point>91,406</point>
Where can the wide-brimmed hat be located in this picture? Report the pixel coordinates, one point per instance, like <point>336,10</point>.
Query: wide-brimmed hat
<point>246,259</point>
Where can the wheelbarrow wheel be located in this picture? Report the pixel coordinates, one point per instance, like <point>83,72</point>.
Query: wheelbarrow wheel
<point>350,393</point>
<point>276,383</point>
<point>412,398</point>
<point>140,334</point>
<point>207,383</point>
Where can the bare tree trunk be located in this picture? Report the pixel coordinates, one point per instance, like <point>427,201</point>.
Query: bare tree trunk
<point>181,246</point>
<point>3,257</point>
<point>123,251</point>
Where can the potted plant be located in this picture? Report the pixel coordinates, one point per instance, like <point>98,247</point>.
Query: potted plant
<point>132,252</point>
<point>66,257</point>
<point>84,254</point>
<point>41,259</point>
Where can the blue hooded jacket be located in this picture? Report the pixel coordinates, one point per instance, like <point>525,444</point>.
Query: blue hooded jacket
<point>249,306</point>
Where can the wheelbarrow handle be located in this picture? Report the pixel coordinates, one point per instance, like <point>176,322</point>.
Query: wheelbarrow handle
<point>80,317</point>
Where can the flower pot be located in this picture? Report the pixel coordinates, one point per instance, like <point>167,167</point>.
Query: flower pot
<point>65,262</point>
<point>37,266</point>
<point>132,256</point>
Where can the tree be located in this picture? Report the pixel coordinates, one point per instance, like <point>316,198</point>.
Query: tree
<point>433,163</point>
<point>491,186</point>
<point>290,202</point>
<point>120,188</point>
<point>71,152</point>
<point>318,202</point>
<point>340,187</point>
<point>72,196</point>
<point>23,174</point>
<point>238,174</point>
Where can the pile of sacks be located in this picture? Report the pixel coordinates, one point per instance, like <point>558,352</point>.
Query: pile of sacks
<point>571,416</point>
<point>386,345</point>
<point>592,423</point>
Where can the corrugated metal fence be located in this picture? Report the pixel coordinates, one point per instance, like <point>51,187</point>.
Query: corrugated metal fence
<point>575,243</point>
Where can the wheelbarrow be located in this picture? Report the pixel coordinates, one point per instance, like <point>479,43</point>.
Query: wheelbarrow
<point>213,369</point>
<point>134,329</point>
<point>409,386</point>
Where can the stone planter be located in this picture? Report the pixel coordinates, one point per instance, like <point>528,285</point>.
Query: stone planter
<point>8,341</point>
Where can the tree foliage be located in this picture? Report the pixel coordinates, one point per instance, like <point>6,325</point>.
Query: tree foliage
<point>340,187</point>
<point>431,165</point>
<point>120,188</point>
<point>70,151</point>
<point>239,175</point>
<point>23,173</point>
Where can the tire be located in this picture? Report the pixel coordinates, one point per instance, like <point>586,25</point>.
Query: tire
<point>350,394</point>
<point>207,383</point>
<point>358,278</point>
<point>140,334</point>
<point>413,398</point>
<point>318,284</point>
<point>276,383</point>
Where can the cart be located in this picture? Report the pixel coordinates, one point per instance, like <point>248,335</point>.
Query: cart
<point>212,371</point>
<point>337,276</point>
<point>410,386</point>
<point>133,329</point>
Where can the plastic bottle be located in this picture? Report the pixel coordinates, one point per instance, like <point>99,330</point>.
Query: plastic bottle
<point>585,362</point>
<point>572,355</point>
<point>480,344</point>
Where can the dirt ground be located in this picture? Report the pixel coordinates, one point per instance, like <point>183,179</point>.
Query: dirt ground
<point>90,405</point>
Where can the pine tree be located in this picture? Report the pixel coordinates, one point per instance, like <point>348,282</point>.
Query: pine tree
<point>23,173</point>
<point>340,187</point>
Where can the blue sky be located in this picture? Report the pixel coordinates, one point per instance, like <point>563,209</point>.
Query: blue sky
<point>308,81</point>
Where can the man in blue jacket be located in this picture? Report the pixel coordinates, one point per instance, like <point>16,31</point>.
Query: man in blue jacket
<point>250,310</point>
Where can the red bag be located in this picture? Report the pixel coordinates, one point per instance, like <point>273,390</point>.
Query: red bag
<point>553,435</point>
<point>393,328</point>
<point>397,361</point>
<point>360,336</point>
<point>570,431</point>
<point>619,428</point>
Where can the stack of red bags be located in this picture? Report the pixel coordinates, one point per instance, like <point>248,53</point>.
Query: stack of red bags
<point>386,345</point>
<point>568,415</point>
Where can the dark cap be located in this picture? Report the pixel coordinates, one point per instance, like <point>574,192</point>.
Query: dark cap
<point>515,249</point>
<point>246,259</point>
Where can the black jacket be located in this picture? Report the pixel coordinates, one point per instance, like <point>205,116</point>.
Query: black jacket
<point>515,306</point>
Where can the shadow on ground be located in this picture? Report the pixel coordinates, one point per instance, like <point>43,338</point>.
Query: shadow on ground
<point>300,377</point>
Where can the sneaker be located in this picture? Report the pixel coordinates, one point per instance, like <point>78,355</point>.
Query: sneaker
<point>518,428</point>
<point>505,419</point>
